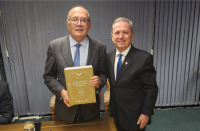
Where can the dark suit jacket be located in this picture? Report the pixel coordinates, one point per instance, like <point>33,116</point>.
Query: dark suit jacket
<point>134,92</point>
<point>58,57</point>
<point>6,104</point>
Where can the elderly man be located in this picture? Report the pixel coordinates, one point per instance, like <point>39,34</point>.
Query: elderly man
<point>6,104</point>
<point>76,49</point>
<point>132,77</point>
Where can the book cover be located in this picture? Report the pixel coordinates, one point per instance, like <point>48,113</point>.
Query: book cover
<point>78,87</point>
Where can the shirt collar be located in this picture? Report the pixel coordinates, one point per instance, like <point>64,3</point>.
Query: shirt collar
<point>125,52</point>
<point>73,42</point>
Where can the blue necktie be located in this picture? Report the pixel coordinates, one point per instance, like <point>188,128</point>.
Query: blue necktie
<point>77,55</point>
<point>119,64</point>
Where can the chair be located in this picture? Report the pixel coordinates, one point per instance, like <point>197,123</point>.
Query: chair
<point>107,98</point>
<point>52,106</point>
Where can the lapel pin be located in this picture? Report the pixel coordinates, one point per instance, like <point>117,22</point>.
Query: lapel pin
<point>126,63</point>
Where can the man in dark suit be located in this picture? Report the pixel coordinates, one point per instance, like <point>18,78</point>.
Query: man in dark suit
<point>6,104</point>
<point>77,49</point>
<point>132,77</point>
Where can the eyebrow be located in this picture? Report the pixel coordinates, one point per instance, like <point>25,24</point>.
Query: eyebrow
<point>122,31</point>
<point>81,17</point>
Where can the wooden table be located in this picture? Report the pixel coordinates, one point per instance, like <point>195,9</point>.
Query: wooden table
<point>99,124</point>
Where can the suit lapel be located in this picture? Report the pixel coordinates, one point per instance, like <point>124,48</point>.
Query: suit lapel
<point>126,63</point>
<point>66,51</point>
<point>91,51</point>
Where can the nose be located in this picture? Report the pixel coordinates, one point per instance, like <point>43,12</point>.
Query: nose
<point>79,22</point>
<point>121,35</point>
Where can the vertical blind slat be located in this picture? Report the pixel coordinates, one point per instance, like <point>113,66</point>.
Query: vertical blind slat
<point>176,52</point>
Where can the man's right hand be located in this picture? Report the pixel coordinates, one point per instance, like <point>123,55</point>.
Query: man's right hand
<point>65,97</point>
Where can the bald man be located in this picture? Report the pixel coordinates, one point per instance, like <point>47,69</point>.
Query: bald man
<point>62,53</point>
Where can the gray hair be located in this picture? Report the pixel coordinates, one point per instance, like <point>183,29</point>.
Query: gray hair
<point>123,19</point>
<point>89,18</point>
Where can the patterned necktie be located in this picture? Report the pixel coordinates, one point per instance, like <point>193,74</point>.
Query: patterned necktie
<point>77,55</point>
<point>119,64</point>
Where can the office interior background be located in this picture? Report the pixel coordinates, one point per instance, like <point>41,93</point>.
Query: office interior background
<point>170,30</point>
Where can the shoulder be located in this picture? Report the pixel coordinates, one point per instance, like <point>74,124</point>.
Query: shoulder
<point>141,53</point>
<point>59,41</point>
<point>142,57</point>
<point>97,42</point>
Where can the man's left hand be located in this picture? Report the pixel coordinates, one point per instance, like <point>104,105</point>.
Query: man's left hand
<point>95,81</point>
<point>143,119</point>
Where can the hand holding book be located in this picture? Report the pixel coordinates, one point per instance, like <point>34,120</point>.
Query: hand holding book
<point>65,98</point>
<point>95,81</point>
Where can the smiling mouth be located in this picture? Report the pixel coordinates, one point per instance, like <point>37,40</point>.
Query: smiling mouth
<point>79,29</point>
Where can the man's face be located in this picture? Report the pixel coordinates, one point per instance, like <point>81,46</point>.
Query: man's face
<point>78,31</point>
<point>122,35</point>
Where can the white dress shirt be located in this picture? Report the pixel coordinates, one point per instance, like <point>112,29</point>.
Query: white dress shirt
<point>124,53</point>
<point>83,49</point>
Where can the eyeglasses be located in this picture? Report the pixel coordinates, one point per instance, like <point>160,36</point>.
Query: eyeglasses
<point>75,21</point>
<point>119,33</point>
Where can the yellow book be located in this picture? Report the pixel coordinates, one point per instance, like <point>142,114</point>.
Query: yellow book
<point>77,81</point>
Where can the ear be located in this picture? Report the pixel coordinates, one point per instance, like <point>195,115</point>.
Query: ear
<point>132,35</point>
<point>89,24</point>
<point>67,24</point>
<point>112,36</point>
